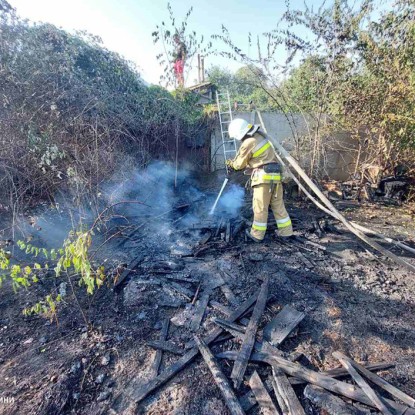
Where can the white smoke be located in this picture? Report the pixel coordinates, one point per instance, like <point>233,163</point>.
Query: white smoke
<point>232,199</point>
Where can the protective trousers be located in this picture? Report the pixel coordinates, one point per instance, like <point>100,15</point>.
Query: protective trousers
<point>262,199</point>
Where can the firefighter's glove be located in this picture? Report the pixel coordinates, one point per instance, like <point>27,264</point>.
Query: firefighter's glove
<point>229,165</point>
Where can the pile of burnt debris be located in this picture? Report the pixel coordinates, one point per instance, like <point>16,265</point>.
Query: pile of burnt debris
<point>239,339</point>
<point>276,393</point>
<point>394,189</point>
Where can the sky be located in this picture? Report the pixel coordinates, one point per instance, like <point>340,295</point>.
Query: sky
<point>125,26</point>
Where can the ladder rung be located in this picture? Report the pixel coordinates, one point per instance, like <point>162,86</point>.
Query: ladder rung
<point>229,151</point>
<point>226,122</point>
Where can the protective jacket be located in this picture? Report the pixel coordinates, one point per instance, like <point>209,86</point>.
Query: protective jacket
<point>256,152</point>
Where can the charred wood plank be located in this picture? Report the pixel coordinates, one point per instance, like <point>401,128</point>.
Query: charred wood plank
<point>166,346</point>
<point>205,238</point>
<point>287,392</point>
<point>264,356</point>
<point>376,400</point>
<point>340,372</point>
<point>331,404</point>
<point>377,380</point>
<point>249,340</point>
<point>155,367</point>
<point>230,296</point>
<point>220,307</point>
<point>133,264</point>
<point>196,293</point>
<point>281,402</point>
<point>200,310</point>
<point>239,332</point>
<point>248,400</point>
<point>235,329</point>
<point>317,228</point>
<point>331,384</point>
<point>223,338</point>
<point>135,391</point>
<point>261,395</point>
<point>163,267</point>
<point>307,261</point>
<point>315,245</point>
<point>179,278</point>
<point>238,227</point>
<point>279,328</point>
<point>221,381</point>
<point>218,228</point>
<point>228,231</point>
<point>186,292</point>
<point>227,311</point>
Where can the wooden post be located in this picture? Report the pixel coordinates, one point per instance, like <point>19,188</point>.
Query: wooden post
<point>198,68</point>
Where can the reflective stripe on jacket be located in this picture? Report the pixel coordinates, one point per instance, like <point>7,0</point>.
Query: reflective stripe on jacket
<point>260,148</point>
<point>259,177</point>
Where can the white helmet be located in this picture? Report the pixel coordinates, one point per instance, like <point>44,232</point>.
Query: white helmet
<point>238,128</point>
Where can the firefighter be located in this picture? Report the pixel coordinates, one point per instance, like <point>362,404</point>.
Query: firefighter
<point>257,153</point>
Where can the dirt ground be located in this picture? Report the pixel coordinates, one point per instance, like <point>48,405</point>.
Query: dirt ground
<point>354,302</point>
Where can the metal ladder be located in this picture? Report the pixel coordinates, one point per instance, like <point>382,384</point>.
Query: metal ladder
<point>223,102</point>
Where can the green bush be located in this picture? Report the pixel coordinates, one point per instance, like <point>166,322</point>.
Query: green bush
<point>74,112</point>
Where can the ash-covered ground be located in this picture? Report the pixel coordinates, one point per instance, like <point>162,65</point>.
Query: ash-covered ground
<point>354,301</point>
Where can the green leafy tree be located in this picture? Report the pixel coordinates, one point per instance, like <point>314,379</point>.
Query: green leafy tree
<point>356,76</point>
<point>305,86</point>
<point>244,85</point>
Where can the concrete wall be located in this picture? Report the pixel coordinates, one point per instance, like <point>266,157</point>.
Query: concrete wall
<point>339,158</point>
